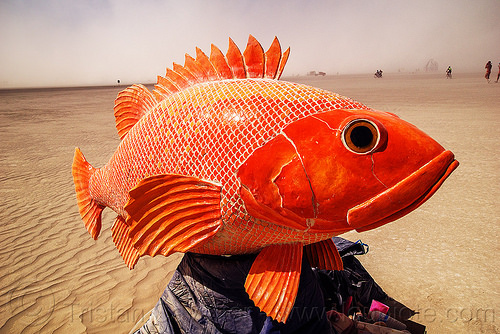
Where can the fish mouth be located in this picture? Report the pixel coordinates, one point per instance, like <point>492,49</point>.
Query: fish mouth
<point>403,197</point>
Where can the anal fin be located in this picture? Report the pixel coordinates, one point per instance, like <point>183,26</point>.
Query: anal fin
<point>123,243</point>
<point>273,280</point>
<point>172,213</point>
<point>324,255</point>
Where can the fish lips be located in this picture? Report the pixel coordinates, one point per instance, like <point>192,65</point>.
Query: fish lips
<point>403,197</point>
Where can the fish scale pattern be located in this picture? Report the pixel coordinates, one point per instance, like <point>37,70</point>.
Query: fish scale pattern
<point>208,131</point>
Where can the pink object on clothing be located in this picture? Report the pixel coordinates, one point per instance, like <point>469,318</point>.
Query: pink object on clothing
<point>378,306</point>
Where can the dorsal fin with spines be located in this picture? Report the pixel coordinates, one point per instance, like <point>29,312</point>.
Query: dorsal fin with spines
<point>284,59</point>
<point>272,59</point>
<point>254,59</point>
<point>179,81</point>
<point>206,65</point>
<point>219,62</point>
<point>195,68</point>
<point>166,85</point>
<point>252,63</point>
<point>136,101</point>
<point>235,60</point>
<point>181,70</point>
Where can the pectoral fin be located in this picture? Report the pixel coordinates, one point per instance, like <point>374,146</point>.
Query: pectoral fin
<point>172,213</point>
<point>324,255</point>
<point>273,280</point>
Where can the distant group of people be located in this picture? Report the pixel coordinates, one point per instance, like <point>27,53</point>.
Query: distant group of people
<point>488,71</point>
<point>488,68</point>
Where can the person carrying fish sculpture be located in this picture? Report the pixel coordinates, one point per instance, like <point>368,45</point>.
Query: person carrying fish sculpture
<point>222,158</point>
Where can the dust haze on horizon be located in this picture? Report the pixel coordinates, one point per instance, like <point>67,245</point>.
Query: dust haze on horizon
<point>75,43</point>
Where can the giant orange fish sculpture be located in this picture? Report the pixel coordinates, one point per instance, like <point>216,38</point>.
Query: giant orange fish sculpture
<point>222,158</point>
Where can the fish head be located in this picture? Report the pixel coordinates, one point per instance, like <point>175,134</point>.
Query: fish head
<point>342,170</point>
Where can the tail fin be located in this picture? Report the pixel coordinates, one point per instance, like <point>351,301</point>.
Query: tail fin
<point>90,211</point>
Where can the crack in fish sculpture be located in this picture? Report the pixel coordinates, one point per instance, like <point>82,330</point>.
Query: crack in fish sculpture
<point>223,158</point>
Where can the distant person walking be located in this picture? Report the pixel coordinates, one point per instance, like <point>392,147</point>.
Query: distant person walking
<point>488,70</point>
<point>498,75</point>
<point>448,73</point>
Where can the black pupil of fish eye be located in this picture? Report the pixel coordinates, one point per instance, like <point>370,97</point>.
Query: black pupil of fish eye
<point>361,136</point>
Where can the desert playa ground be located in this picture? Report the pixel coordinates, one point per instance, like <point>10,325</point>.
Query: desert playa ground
<point>441,260</point>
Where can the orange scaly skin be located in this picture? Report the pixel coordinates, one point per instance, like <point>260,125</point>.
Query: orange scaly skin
<point>238,117</point>
<point>222,158</point>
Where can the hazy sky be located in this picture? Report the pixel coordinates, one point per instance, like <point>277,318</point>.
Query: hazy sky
<point>55,43</point>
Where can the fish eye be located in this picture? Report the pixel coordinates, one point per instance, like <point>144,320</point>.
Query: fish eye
<point>361,136</point>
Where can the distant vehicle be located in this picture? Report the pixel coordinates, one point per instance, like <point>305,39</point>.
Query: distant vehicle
<point>378,74</point>
<point>314,73</point>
